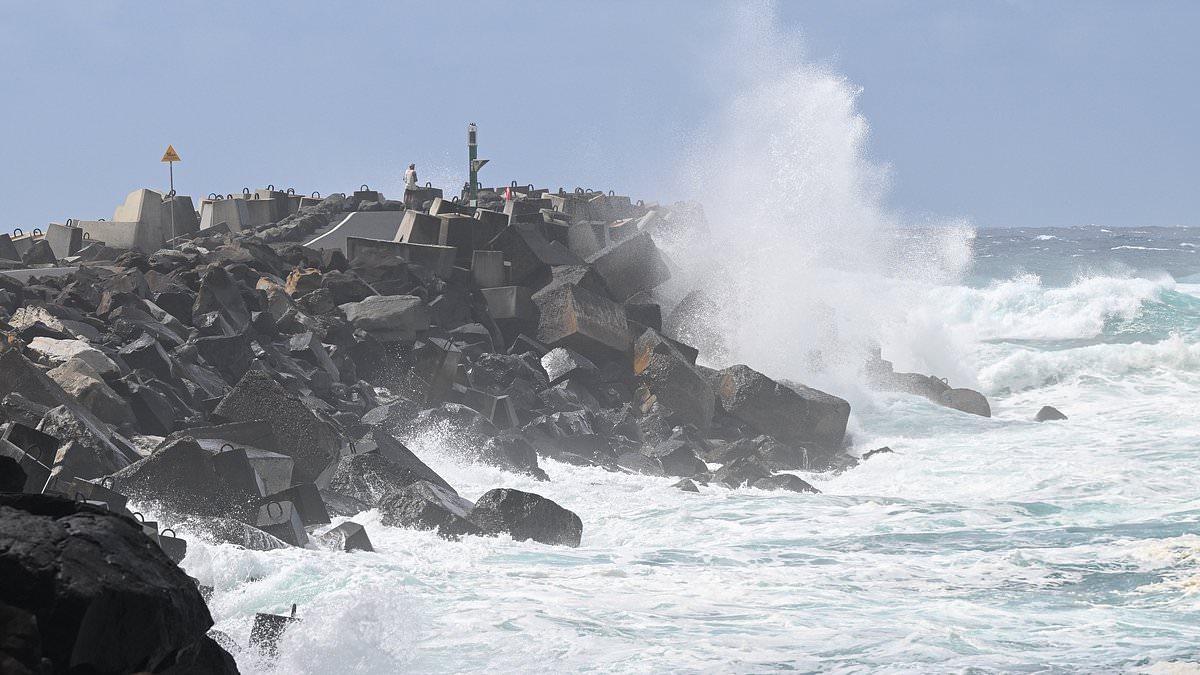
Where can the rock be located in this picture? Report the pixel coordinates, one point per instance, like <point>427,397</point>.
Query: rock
<point>343,505</point>
<point>966,400</point>
<point>58,352</point>
<point>530,253</point>
<point>146,353</point>
<point>795,415</point>
<point>590,324</point>
<point>138,599</point>
<point>219,293</point>
<point>636,462</point>
<point>370,477</point>
<point>677,458</point>
<point>785,481</point>
<point>526,516</point>
<point>78,379</point>
<point>80,447</point>
<point>231,531</point>
<point>631,266</point>
<point>12,476</point>
<point>349,536</point>
<point>399,454</point>
<point>673,381</point>
<point>877,451</point>
<point>687,485</point>
<point>425,506</point>
<point>39,253</point>
<point>561,364</point>
<point>742,471</point>
<point>311,442</point>
<point>1049,414</point>
<point>303,280</point>
<point>389,318</point>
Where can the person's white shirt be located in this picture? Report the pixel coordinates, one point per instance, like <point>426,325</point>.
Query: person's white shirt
<point>410,178</point>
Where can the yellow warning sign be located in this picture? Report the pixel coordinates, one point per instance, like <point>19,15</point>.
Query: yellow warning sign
<point>170,155</point>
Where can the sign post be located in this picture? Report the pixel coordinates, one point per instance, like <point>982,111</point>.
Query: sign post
<point>475,164</point>
<point>170,156</point>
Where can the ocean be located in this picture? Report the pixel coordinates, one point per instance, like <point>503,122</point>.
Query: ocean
<point>980,545</point>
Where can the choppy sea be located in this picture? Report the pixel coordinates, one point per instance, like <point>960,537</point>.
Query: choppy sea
<point>980,545</point>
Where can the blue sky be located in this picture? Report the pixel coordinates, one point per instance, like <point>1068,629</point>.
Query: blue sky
<point>1004,112</point>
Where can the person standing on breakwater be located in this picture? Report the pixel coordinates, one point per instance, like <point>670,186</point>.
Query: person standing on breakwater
<point>410,177</point>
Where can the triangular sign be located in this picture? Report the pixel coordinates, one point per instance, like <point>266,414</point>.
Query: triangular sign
<point>170,155</point>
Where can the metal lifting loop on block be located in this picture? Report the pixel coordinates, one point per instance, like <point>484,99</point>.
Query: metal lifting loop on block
<point>364,188</point>
<point>271,187</point>
<point>342,195</point>
<point>213,195</point>
<point>612,194</point>
<point>530,186</point>
<point>107,482</point>
<point>227,446</point>
<point>171,194</point>
<point>245,191</point>
<point>69,221</point>
<point>165,530</point>
<point>100,221</point>
<point>578,190</point>
<point>277,504</point>
<point>455,200</point>
<point>229,196</point>
<point>19,232</point>
<point>428,184</point>
<point>291,191</point>
<point>37,231</point>
<point>140,517</point>
<point>514,184</point>
<point>641,203</point>
<point>561,192</point>
<point>86,235</point>
<point>256,195</point>
<point>315,195</point>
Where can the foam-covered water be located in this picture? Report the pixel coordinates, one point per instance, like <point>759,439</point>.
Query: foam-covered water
<point>991,544</point>
<point>980,545</point>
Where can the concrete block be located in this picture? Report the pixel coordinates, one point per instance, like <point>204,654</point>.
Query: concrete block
<point>419,228</point>
<point>232,212</point>
<point>349,536</point>
<point>587,238</point>
<point>308,502</point>
<point>487,269</point>
<point>438,260</point>
<point>510,303</point>
<point>281,519</point>
<point>592,325</point>
<point>65,240</point>
<point>442,207</point>
<point>631,266</point>
<point>530,253</point>
<point>495,220</point>
<point>7,250</point>
<point>795,415</point>
<point>234,469</point>
<point>562,364</point>
<point>267,629</point>
<point>434,370</point>
<point>36,472</point>
<point>24,241</point>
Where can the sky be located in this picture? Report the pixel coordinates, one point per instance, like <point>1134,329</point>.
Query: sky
<point>999,112</point>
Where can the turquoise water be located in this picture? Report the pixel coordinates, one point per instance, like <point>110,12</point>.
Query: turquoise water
<point>981,545</point>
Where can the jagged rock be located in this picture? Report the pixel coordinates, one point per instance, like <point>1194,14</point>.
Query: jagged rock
<point>399,454</point>
<point>639,463</point>
<point>230,531</point>
<point>78,379</point>
<point>877,451</point>
<point>301,434</point>
<point>561,364</point>
<point>677,458</point>
<point>390,318</point>
<point>1049,414</point>
<point>219,293</point>
<point>687,485</point>
<point>672,380</point>
<point>58,352</point>
<point>145,352</point>
<point>742,471</point>
<point>343,505</point>
<point>785,481</point>
<point>346,287</point>
<point>20,409</point>
<point>90,450</point>
<point>138,599</point>
<point>39,253</point>
<point>302,281</point>
<point>525,516</point>
<point>795,415</point>
<point>426,506</point>
<point>370,476</point>
<point>966,400</point>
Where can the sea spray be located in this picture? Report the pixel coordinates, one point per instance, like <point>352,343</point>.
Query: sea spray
<point>807,268</point>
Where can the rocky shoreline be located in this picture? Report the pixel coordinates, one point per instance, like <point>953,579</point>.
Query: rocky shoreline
<point>259,367</point>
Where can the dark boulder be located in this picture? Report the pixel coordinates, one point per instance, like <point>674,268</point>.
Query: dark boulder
<point>966,400</point>
<point>39,253</point>
<point>795,415</point>
<point>425,506</point>
<point>785,481</point>
<point>742,471</point>
<point>369,477</point>
<point>136,612</point>
<point>1049,414</point>
<point>526,516</point>
<point>180,476</point>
